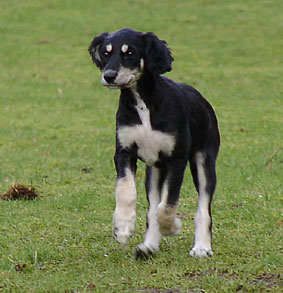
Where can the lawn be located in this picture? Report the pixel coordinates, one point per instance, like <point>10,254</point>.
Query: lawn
<point>57,131</point>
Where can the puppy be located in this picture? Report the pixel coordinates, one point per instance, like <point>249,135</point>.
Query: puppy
<point>165,124</point>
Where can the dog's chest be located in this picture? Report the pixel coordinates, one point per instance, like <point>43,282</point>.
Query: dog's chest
<point>150,143</point>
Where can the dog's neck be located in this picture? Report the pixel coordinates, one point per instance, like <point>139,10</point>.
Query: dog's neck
<point>146,83</point>
<point>145,89</point>
<point>145,86</point>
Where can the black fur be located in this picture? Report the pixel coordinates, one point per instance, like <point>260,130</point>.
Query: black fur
<point>175,109</point>
<point>94,46</point>
<point>157,56</point>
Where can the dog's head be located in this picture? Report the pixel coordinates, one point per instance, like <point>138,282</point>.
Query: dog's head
<point>123,57</point>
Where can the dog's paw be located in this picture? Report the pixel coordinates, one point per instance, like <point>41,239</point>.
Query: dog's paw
<point>124,227</point>
<point>122,238</point>
<point>123,235</point>
<point>200,252</point>
<point>145,252</point>
<point>169,223</point>
<point>170,228</point>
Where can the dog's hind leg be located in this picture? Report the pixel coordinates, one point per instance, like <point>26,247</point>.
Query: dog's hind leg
<point>169,223</point>
<point>204,175</point>
<point>152,237</point>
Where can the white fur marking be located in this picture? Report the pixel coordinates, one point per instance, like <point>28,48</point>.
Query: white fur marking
<point>125,212</point>
<point>202,246</point>
<point>124,48</point>
<point>150,142</point>
<point>143,112</point>
<point>141,64</point>
<point>109,48</point>
<point>96,55</point>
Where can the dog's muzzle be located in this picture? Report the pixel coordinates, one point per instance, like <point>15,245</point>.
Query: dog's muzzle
<point>118,79</point>
<point>109,76</point>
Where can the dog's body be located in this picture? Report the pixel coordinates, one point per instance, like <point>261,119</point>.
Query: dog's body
<point>165,124</point>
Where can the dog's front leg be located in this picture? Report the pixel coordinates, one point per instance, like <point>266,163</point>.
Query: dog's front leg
<point>125,194</point>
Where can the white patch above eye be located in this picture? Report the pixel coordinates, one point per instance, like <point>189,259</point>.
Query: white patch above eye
<point>109,48</point>
<point>124,48</point>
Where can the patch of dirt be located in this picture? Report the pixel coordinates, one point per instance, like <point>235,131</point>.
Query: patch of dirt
<point>86,170</point>
<point>268,280</point>
<point>20,191</point>
<point>212,271</point>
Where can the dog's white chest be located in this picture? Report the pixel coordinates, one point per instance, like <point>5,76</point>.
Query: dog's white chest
<point>149,142</point>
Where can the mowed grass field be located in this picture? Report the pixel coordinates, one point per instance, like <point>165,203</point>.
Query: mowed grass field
<point>57,129</point>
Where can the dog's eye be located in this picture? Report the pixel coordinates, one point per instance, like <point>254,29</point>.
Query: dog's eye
<point>129,54</point>
<point>105,54</point>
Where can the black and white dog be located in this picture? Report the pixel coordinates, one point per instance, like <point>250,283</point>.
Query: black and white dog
<point>164,124</point>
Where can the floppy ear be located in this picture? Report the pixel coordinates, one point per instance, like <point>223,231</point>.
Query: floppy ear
<point>93,49</point>
<point>158,57</point>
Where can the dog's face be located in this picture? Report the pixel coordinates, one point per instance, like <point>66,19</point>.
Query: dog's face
<point>123,56</point>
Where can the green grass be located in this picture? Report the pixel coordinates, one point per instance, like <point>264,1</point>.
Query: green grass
<point>56,119</point>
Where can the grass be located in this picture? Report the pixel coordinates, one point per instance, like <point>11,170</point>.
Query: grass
<point>58,122</point>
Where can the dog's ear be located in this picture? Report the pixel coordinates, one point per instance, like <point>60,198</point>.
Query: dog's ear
<point>158,57</point>
<point>93,49</point>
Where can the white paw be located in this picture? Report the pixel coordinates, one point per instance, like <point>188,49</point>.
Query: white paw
<point>143,251</point>
<point>124,227</point>
<point>122,238</point>
<point>200,252</point>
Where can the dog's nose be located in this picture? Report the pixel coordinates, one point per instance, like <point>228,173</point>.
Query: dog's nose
<point>110,76</point>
